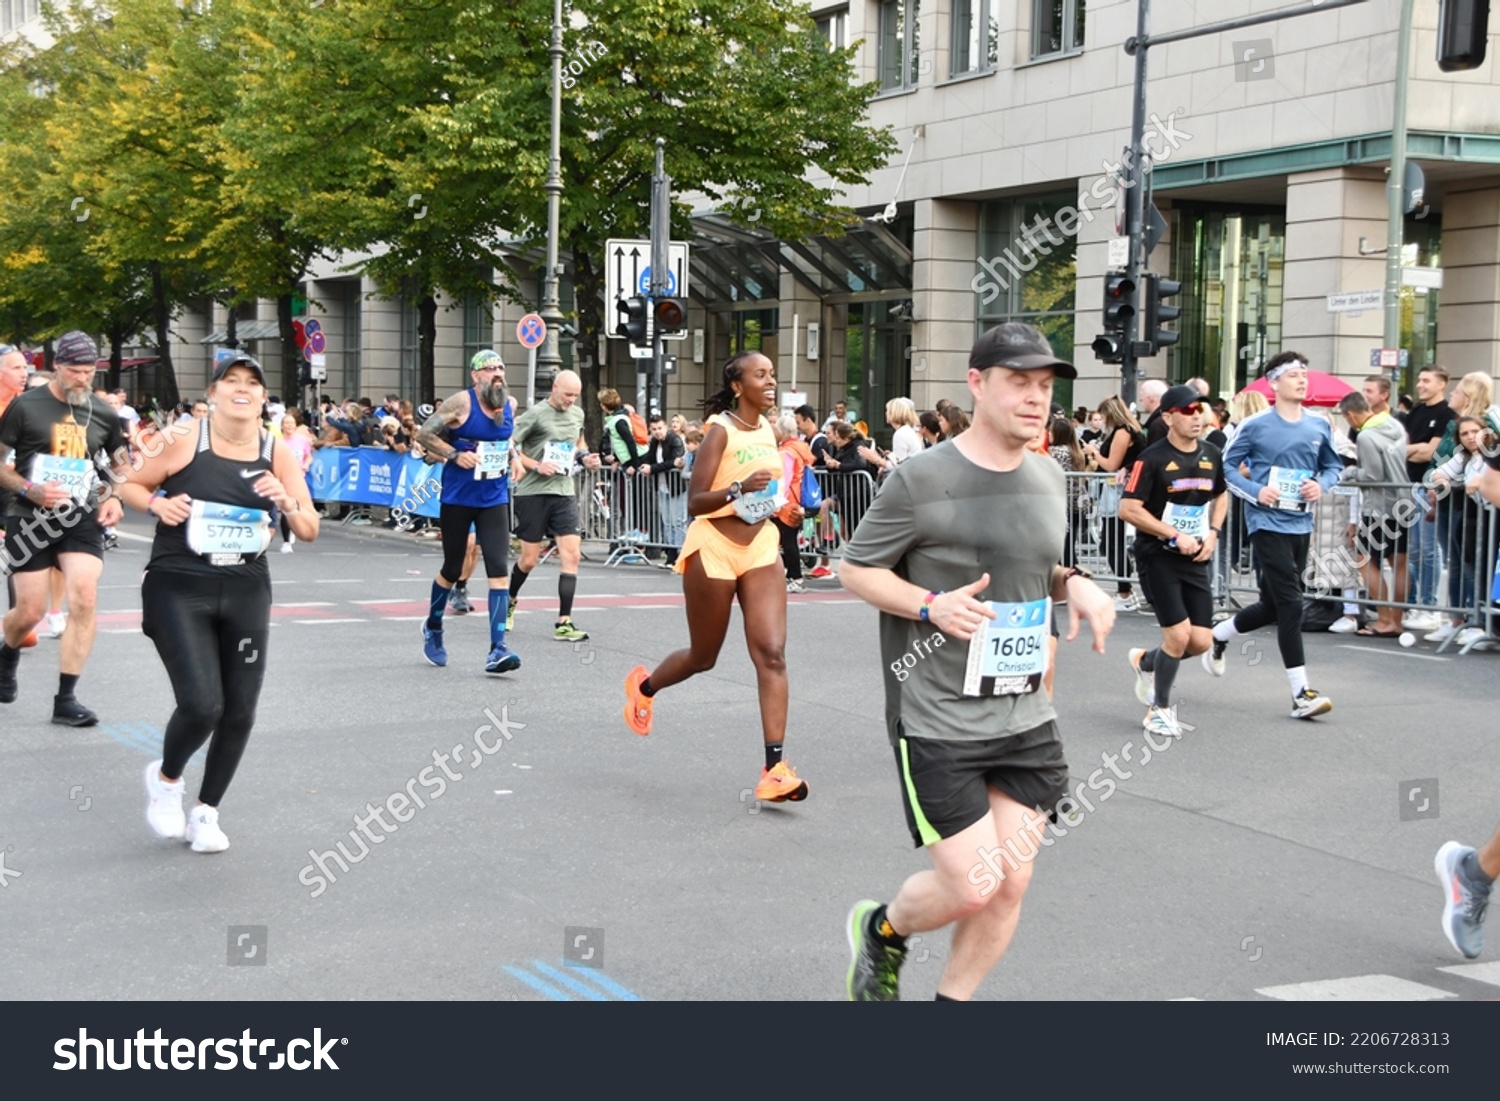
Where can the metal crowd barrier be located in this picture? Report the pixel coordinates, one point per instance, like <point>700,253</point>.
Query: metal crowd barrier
<point>636,514</point>
<point>1464,531</point>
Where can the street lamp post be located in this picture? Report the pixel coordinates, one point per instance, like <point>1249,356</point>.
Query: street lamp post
<point>549,361</point>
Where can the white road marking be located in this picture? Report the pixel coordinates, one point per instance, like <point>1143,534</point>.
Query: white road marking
<point>1360,988</point>
<point>339,581</point>
<point>321,621</point>
<point>391,600</point>
<point>305,604</point>
<point>1479,972</point>
<point>1391,653</point>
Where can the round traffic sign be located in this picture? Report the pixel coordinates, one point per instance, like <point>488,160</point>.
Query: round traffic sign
<point>316,343</point>
<point>644,282</point>
<point>531,330</point>
<point>311,327</point>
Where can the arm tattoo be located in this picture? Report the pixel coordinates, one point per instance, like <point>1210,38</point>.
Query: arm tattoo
<point>450,414</point>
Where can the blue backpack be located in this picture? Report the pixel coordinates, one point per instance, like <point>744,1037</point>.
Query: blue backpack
<point>812,491</point>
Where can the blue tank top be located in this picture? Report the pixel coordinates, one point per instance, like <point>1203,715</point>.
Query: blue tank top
<point>488,484</point>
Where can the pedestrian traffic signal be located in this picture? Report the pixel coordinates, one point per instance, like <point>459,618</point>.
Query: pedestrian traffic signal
<point>670,314</point>
<point>1463,33</point>
<point>632,324</point>
<point>1157,289</point>
<point>1119,308</point>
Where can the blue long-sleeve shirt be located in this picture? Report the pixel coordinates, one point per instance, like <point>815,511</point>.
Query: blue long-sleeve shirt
<point>1296,451</point>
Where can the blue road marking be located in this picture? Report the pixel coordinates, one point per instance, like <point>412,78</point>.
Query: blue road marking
<point>536,984</point>
<point>571,983</point>
<point>598,977</point>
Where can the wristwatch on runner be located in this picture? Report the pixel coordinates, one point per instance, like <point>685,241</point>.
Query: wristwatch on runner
<point>736,491</point>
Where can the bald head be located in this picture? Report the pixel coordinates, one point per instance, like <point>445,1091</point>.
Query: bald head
<point>566,387</point>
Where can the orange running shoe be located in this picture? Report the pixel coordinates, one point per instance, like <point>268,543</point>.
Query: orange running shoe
<point>781,785</point>
<point>29,640</point>
<point>637,706</point>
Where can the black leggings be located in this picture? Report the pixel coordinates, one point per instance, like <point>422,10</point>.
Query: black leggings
<point>790,558</point>
<point>1283,560</point>
<point>211,633</point>
<point>491,528</point>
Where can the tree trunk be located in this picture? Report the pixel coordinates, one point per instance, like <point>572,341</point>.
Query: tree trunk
<point>291,356</point>
<point>427,349</point>
<point>588,292</point>
<point>233,339</point>
<point>161,323</point>
<point>116,355</point>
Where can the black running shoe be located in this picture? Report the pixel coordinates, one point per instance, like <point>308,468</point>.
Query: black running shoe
<point>875,969</point>
<point>8,676</point>
<point>67,711</point>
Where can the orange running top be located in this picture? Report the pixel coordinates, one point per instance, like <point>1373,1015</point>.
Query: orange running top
<point>745,451</point>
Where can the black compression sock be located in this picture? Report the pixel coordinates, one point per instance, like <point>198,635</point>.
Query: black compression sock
<point>518,578</point>
<point>9,652</point>
<point>773,754</point>
<point>646,689</point>
<point>1148,661</point>
<point>884,932</point>
<point>1166,676</point>
<point>567,586</point>
<point>67,684</point>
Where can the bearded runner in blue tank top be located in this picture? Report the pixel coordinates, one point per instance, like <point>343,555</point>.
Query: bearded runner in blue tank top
<point>470,434</point>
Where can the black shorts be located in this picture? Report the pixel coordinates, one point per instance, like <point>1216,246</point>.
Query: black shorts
<point>1380,538</point>
<point>491,528</point>
<point>34,542</point>
<point>545,515</point>
<point>1180,588</point>
<point>945,785</point>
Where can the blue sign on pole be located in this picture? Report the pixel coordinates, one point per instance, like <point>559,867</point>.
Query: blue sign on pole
<point>644,282</point>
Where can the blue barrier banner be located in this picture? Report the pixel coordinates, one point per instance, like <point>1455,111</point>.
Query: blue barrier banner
<point>372,476</point>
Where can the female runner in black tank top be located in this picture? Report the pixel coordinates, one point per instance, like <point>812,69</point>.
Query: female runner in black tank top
<point>216,491</point>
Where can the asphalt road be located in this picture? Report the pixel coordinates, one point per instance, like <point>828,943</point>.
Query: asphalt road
<point>1257,854</point>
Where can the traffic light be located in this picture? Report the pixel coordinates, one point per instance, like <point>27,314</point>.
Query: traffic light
<point>1463,33</point>
<point>1157,289</point>
<point>1119,308</point>
<point>632,324</point>
<point>670,314</point>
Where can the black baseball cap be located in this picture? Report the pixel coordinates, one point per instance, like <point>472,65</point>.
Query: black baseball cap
<point>1019,347</point>
<point>1180,397</point>
<point>239,360</point>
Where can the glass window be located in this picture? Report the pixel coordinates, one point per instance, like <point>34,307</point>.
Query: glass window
<point>479,326</point>
<point>1027,270</point>
<point>354,305</point>
<point>899,44</point>
<point>834,26</point>
<point>1056,27</point>
<point>976,32</point>
<point>410,345</point>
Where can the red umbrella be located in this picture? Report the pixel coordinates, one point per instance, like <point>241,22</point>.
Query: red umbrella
<point>1322,389</point>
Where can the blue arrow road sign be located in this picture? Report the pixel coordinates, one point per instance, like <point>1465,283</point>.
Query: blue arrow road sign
<point>644,282</point>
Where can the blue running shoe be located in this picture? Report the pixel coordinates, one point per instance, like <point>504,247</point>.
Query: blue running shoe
<point>432,647</point>
<point>1464,901</point>
<point>502,660</point>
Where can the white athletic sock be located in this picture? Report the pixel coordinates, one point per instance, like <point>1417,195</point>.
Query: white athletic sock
<point>1350,608</point>
<point>1298,679</point>
<point>1225,631</point>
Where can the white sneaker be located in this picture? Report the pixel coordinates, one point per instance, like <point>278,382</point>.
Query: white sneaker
<point>286,548</point>
<point>796,586</point>
<point>1215,658</point>
<point>52,625</point>
<point>1308,703</point>
<point>1416,620</point>
<point>1469,635</point>
<point>1145,683</point>
<point>1442,634</point>
<point>1163,721</point>
<point>203,830</point>
<point>164,803</point>
<point>1128,603</point>
<point>1345,626</point>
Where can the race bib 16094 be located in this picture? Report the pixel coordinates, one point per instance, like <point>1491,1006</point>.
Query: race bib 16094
<point>1009,657</point>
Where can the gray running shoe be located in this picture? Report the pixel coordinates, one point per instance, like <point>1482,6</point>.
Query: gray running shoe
<point>1464,901</point>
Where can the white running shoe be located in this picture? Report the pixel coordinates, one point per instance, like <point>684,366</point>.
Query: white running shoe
<point>1163,721</point>
<point>1214,660</point>
<point>1127,603</point>
<point>1469,635</point>
<point>1145,683</point>
<point>52,625</point>
<point>1418,620</point>
<point>1442,634</point>
<point>164,803</point>
<point>1345,626</point>
<point>1308,703</point>
<point>203,830</point>
<point>286,548</point>
<point>796,586</point>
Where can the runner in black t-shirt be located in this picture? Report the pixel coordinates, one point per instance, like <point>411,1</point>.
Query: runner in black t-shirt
<point>1176,498</point>
<point>64,438</point>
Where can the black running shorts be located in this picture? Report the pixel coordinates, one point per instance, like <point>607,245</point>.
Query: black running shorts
<point>544,515</point>
<point>945,785</point>
<point>34,542</point>
<point>1180,588</point>
<point>1381,538</point>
